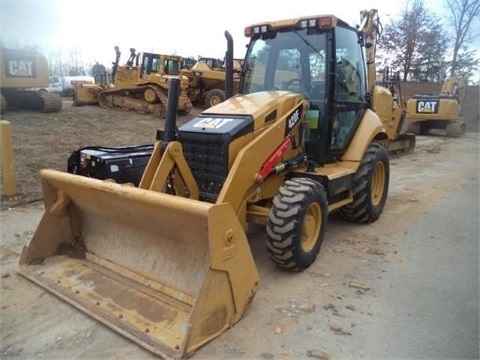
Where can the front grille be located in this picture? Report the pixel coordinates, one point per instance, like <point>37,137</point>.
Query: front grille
<point>207,157</point>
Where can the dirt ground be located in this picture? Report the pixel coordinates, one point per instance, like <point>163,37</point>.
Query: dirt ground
<point>321,313</point>
<point>47,140</point>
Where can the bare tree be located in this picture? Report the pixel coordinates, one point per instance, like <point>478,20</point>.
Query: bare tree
<point>462,15</point>
<point>412,43</point>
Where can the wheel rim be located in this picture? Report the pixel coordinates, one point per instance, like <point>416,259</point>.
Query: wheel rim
<point>214,100</point>
<point>311,226</point>
<point>150,95</point>
<point>378,183</point>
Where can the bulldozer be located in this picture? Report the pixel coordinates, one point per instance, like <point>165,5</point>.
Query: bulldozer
<point>142,84</point>
<point>167,263</point>
<point>439,111</point>
<point>87,94</point>
<point>24,81</point>
<point>207,81</point>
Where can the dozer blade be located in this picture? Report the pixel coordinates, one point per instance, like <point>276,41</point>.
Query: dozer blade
<point>167,272</point>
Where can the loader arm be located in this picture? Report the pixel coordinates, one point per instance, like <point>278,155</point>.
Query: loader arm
<point>164,165</point>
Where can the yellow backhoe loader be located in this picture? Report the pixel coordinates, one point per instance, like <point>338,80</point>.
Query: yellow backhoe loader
<point>24,81</point>
<point>167,263</point>
<point>439,111</point>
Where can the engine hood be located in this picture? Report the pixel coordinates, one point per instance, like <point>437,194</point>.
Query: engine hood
<point>265,106</point>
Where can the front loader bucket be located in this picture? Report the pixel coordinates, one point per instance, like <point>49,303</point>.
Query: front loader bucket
<point>167,272</point>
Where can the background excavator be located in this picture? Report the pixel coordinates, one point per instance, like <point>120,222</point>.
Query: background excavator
<point>23,71</point>
<point>167,263</point>
<point>439,111</point>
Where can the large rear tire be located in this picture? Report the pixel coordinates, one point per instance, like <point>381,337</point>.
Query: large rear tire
<point>296,223</point>
<point>214,97</point>
<point>370,186</point>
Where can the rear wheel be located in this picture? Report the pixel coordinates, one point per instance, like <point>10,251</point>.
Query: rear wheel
<point>214,97</point>
<point>296,223</point>
<point>370,186</point>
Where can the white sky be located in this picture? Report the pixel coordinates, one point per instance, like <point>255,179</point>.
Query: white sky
<point>190,28</point>
<point>185,27</point>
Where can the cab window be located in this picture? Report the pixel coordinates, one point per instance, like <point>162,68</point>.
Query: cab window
<point>350,87</point>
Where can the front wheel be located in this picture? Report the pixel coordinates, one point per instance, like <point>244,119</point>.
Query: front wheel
<point>370,186</point>
<point>214,97</point>
<point>296,223</point>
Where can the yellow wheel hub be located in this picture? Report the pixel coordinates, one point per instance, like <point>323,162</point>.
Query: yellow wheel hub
<point>150,96</point>
<point>311,226</point>
<point>378,183</point>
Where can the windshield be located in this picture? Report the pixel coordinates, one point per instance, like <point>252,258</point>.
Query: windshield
<point>291,61</point>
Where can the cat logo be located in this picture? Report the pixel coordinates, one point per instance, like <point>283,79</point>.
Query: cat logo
<point>427,106</point>
<point>20,68</point>
<point>212,123</point>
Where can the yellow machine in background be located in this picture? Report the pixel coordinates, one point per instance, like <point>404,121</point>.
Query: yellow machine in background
<point>142,84</point>
<point>439,111</point>
<point>24,80</point>
<point>87,94</point>
<point>168,264</point>
<point>207,81</point>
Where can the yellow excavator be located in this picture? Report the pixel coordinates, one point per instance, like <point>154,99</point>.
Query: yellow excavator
<point>439,111</point>
<point>24,81</point>
<point>167,263</point>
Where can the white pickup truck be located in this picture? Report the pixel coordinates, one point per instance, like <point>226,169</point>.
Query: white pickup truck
<point>65,85</point>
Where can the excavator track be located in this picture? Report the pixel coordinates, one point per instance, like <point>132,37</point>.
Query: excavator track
<point>41,101</point>
<point>146,99</point>
<point>51,102</point>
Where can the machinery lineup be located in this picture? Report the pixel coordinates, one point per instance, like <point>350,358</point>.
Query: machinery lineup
<point>303,129</point>
<point>142,84</point>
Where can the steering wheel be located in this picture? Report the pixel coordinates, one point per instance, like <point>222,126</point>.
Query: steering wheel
<point>293,87</point>
<point>292,82</point>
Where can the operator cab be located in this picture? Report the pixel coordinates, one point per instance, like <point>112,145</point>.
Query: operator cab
<point>160,64</point>
<point>321,58</point>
